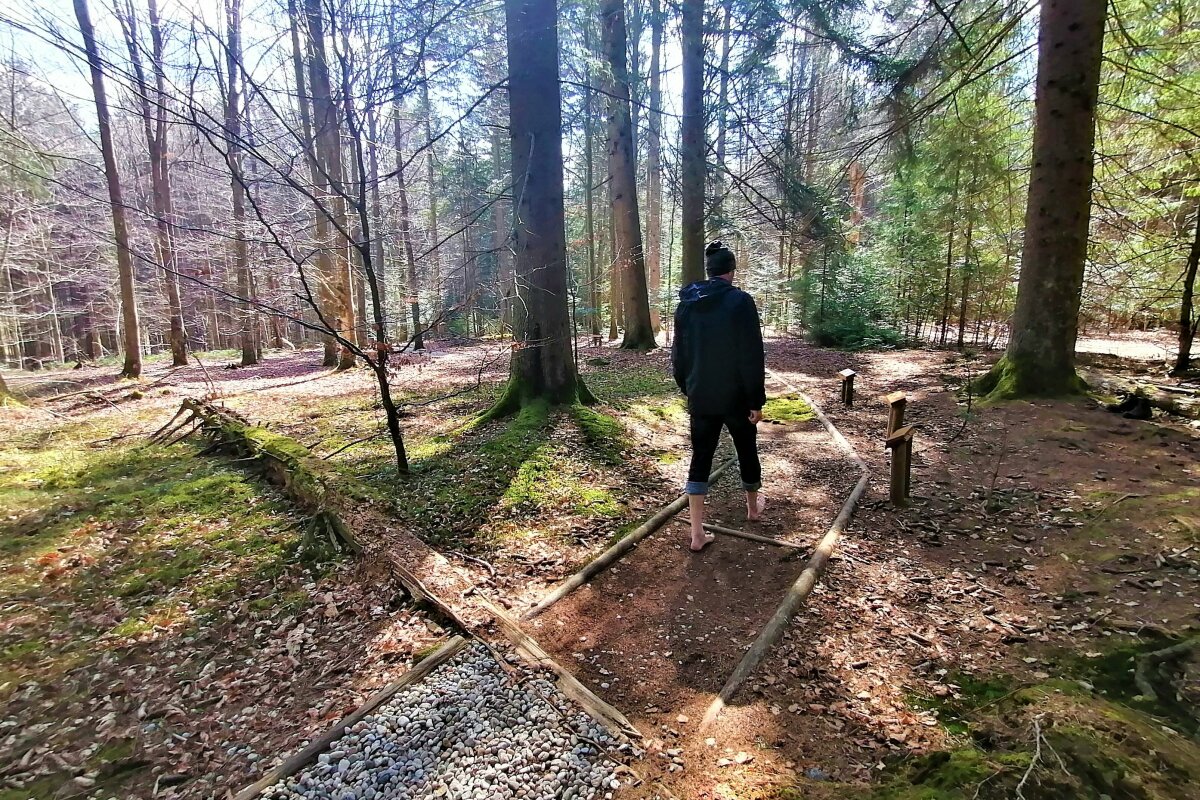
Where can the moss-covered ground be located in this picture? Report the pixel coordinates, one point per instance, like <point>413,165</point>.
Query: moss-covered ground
<point>477,483</point>
<point>117,554</point>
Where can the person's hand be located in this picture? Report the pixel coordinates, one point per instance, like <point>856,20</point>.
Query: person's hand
<point>755,416</point>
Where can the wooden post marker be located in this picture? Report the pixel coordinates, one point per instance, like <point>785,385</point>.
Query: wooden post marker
<point>901,443</point>
<point>848,386</point>
<point>897,401</point>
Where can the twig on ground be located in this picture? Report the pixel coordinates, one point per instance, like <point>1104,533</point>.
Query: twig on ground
<point>362,440</point>
<point>486,564</point>
<point>1037,756</point>
<point>987,502</point>
<point>1122,498</point>
<point>967,413</point>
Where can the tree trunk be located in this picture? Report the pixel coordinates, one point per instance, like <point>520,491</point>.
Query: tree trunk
<point>377,253</point>
<point>435,253</point>
<point>589,180</point>
<point>501,228</point>
<point>130,332</point>
<point>716,220</point>
<point>154,126</point>
<point>327,134</point>
<point>816,105</point>
<point>1188,321</point>
<point>622,172</point>
<point>405,222</point>
<point>949,261</point>
<point>691,156</point>
<point>1040,359</point>
<point>542,368</point>
<point>247,321</point>
<point>323,300</point>
<point>654,168</point>
<point>966,271</point>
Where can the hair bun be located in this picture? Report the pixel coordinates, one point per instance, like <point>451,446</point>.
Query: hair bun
<point>714,247</point>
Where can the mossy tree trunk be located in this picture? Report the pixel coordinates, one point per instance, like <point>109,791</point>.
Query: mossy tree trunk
<point>1040,359</point>
<point>630,260</point>
<point>542,367</point>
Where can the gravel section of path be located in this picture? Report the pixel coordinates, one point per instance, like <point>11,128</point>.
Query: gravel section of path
<point>465,732</point>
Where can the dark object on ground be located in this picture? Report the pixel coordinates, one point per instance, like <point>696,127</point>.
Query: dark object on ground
<point>1141,409</point>
<point>1128,404</point>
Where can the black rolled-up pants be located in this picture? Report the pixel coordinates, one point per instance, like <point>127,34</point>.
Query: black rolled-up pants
<point>706,433</point>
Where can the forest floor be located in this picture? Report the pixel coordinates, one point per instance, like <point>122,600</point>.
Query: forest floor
<point>980,640</point>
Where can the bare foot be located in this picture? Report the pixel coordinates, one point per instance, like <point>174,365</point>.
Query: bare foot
<point>755,514</point>
<point>705,542</point>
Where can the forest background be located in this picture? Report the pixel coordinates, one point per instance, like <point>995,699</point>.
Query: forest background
<point>284,168</point>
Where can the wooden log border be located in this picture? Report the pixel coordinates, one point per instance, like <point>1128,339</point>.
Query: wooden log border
<point>294,763</point>
<point>770,635</point>
<point>747,535</point>
<point>615,553</point>
<point>533,654</point>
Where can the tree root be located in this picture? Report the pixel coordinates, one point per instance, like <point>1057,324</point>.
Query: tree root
<point>1148,677</point>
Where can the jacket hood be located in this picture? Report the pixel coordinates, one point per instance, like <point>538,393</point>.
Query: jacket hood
<point>703,293</point>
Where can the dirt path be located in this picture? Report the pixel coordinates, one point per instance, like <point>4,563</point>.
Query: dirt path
<point>660,633</point>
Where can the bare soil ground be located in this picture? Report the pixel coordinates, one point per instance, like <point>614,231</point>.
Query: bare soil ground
<point>1047,545</point>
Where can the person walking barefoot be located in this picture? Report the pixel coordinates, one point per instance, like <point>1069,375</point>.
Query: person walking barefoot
<point>718,363</point>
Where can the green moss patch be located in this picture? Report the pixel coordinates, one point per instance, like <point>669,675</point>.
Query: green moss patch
<point>145,537</point>
<point>789,408</point>
<point>619,386</point>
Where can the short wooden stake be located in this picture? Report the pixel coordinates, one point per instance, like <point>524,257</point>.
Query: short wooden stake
<point>901,443</point>
<point>848,386</point>
<point>897,401</point>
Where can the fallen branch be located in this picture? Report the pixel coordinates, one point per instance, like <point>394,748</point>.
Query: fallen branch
<point>750,537</point>
<point>286,463</point>
<point>1037,756</point>
<point>1151,661</point>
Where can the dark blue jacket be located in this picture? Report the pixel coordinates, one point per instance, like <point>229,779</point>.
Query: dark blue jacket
<point>717,354</point>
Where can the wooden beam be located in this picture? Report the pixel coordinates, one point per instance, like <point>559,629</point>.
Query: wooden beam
<point>848,386</point>
<point>897,402</point>
<point>570,686</point>
<point>901,445</point>
<point>618,550</point>
<point>792,601</point>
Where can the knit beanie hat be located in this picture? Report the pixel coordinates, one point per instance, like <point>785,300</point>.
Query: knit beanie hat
<point>718,259</point>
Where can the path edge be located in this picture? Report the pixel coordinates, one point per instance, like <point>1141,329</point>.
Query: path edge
<point>770,635</point>
<point>618,550</point>
<point>297,761</point>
